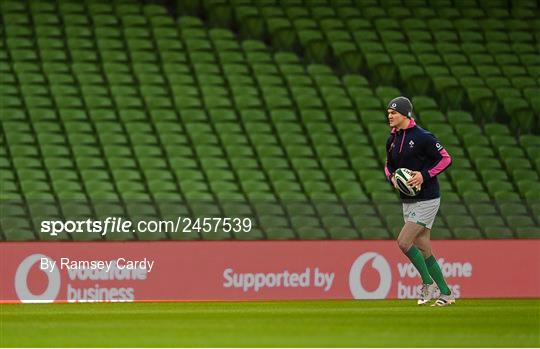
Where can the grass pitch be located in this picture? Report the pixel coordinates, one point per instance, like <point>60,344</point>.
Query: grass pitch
<point>472,323</point>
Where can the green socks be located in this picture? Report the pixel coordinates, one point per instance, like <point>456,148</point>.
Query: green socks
<point>428,267</point>
<point>436,274</point>
<point>417,259</point>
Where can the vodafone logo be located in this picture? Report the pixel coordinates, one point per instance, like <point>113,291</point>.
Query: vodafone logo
<point>21,283</point>
<point>379,263</point>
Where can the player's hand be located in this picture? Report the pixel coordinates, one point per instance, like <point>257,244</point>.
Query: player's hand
<point>416,180</point>
<point>393,180</point>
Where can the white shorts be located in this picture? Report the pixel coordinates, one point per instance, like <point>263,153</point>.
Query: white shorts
<point>421,212</point>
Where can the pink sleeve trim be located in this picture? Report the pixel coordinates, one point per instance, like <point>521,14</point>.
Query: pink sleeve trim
<point>441,165</point>
<point>386,172</point>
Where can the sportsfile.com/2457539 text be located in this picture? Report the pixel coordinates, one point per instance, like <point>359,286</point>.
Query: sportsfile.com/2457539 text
<point>122,225</point>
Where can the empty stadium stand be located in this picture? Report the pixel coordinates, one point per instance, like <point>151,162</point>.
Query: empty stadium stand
<point>117,108</point>
<point>479,55</point>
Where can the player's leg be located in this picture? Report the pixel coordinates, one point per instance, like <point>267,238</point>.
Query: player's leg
<point>408,235</point>
<point>423,242</point>
<point>405,241</point>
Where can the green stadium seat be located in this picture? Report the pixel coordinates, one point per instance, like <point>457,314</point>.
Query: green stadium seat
<point>280,234</point>
<point>498,232</point>
<point>528,233</point>
<point>467,233</point>
<point>374,233</point>
<point>520,221</point>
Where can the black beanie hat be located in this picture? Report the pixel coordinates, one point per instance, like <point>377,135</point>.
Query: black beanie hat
<point>402,105</point>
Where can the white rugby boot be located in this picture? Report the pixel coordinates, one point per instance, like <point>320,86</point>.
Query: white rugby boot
<point>444,300</point>
<point>427,292</point>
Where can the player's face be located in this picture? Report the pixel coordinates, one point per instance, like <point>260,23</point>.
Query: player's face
<point>395,118</point>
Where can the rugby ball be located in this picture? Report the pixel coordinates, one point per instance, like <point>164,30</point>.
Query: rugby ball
<point>402,176</point>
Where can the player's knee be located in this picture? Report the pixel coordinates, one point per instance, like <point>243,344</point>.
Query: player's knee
<point>403,245</point>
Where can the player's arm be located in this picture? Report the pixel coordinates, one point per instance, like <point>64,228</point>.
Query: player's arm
<point>389,168</point>
<point>440,157</point>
